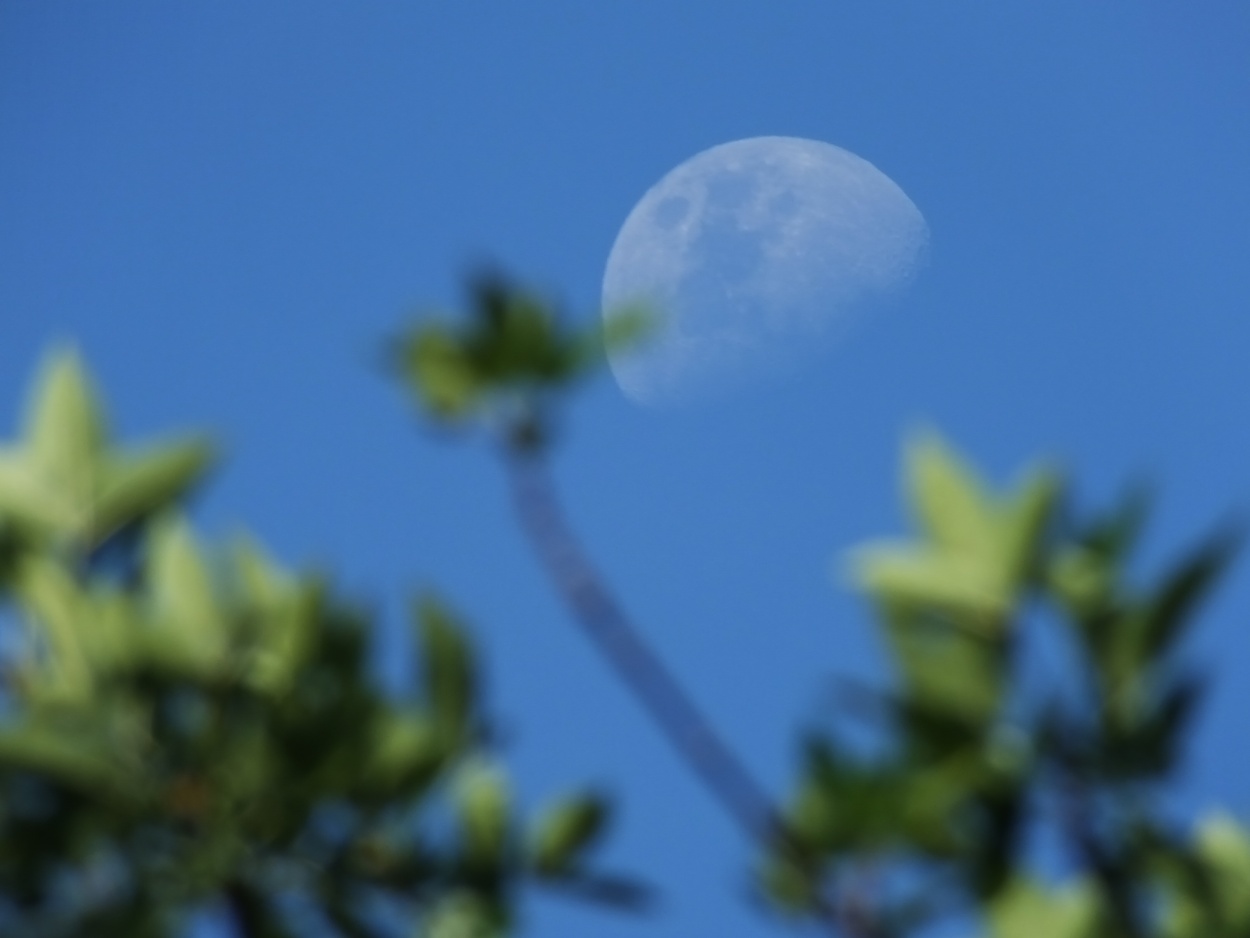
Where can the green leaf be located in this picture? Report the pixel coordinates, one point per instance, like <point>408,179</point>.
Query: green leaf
<point>623,329</point>
<point>977,552</point>
<point>1113,536</point>
<point>902,575</point>
<point>565,831</point>
<point>1142,736</point>
<point>78,757</point>
<point>450,678</point>
<point>1224,845</point>
<point>407,751</point>
<point>842,806</point>
<point>1173,604</point>
<point>1084,582</point>
<point>67,484</point>
<point>281,614</point>
<point>27,501</point>
<point>442,375</point>
<point>55,608</point>
<point>49,485</point>
<point>1028,910</point>
<point>946,667</point>
<point>464,915</point>
<point>791,888</point>
<point>65,425</point>
<point>135,486</point>
<point>190,631</point>
<point>953,509</point>
<point>484,804</point>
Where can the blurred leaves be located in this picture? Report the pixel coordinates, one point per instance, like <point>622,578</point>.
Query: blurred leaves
<point>979,751</point>
<point>66,482</point>
<point>565,832</point>
<point>976,549</point>
<point>184,723</point>
<point>1028,910</point>
<point>505,363</point>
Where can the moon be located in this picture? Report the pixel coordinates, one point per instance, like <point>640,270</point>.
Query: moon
<point>755,254</point>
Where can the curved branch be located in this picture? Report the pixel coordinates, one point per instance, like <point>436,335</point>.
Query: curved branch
<point>687,729</point>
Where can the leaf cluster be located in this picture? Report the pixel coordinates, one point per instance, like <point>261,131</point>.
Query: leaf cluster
<point>505,364</point>
<point>184,725</point>
<point>978,752</point>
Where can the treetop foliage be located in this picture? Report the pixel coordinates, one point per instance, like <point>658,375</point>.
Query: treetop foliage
<point>188,725</point>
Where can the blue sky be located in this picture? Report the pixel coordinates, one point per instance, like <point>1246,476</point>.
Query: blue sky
<point>229,205</point>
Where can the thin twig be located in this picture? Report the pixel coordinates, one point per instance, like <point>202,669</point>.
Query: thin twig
<point>689,731</point>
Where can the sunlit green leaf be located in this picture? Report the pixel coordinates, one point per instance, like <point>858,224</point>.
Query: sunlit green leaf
<point>135,485</point>
<point>978,548</point>
<point>65,426</point>
<point>190,629</point>
<point>950,501</point>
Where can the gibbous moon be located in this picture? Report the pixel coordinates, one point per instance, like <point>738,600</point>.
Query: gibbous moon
<point>754,254</point>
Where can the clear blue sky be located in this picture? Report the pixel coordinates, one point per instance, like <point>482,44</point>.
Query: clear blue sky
<point>229,204</point>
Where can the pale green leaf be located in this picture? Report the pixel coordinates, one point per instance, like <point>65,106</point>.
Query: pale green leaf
<point>27,501</point>
<point>189,628</point>
<point>140,484</point>
<point>65,425</point>
<point>952,506</point>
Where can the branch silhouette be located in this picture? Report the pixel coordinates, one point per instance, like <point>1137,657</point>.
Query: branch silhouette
<point>687,728</point>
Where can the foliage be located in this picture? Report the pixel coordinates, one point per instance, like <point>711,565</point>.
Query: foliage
<point>188,726</point>
<point>973,757</point>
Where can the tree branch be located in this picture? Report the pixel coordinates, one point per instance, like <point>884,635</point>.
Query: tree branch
<point>687,729</point>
